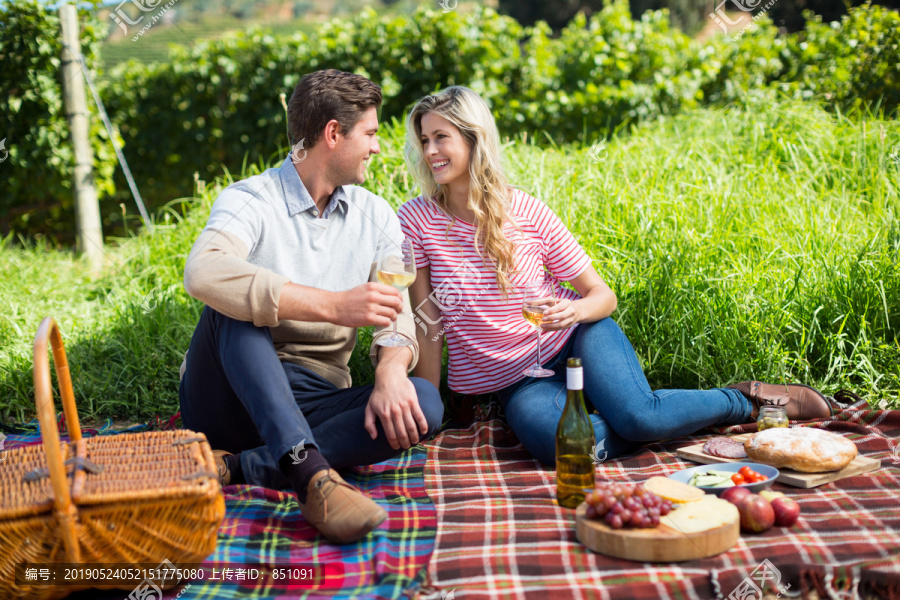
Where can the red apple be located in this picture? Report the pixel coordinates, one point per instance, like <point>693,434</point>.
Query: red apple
<point>771,495</point>
<point>735,494</point>
<point>786,512</point>
<point>756,513</point>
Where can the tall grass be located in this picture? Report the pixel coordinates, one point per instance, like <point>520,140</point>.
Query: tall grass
<point>743,243</point>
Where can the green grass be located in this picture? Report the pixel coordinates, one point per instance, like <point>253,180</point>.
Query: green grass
<point>760,243</point>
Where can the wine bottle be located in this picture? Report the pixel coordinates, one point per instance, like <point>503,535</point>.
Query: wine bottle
<point>574,442</point>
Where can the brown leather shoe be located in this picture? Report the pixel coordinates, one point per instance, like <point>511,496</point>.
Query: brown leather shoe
<point>338,510</point>
<point>222,466</point>
<point>800,402</point>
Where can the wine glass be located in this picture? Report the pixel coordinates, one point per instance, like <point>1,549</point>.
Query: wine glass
<point>538,296</point>
<point>397,268</point>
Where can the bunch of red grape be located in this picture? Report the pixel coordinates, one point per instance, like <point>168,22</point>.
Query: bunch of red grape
<point>623,504</point>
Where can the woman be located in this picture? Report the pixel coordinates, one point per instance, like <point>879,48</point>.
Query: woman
<point>474,291</point>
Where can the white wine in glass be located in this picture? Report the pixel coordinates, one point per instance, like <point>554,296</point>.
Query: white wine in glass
<point>533,314</point>
<point>396,268</point>
<point>400,281</point>
<point>537,299</point>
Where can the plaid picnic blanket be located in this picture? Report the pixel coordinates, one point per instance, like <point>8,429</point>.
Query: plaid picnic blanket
<point>502,534</point>
<point>265,527</point>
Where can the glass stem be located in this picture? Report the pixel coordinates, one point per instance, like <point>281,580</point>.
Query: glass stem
<point>394,335</point>
<point>539,348</point>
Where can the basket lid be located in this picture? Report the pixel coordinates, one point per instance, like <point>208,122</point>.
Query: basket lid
<point>18,497</point>
<point>127,467</point>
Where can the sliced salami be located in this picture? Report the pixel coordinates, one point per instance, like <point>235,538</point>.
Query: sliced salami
<point>724,447</point>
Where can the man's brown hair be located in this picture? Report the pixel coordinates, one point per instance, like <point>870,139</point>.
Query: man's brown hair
<point>325,95</point>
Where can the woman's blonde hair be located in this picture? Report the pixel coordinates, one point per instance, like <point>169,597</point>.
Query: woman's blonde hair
<point>489,194</point>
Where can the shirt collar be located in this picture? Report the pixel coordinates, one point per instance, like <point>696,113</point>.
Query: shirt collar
<point>298,198</point>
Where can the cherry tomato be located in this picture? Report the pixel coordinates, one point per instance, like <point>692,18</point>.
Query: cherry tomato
<point>753,477</point>
<point>737,479</point>
<point>745,471</point>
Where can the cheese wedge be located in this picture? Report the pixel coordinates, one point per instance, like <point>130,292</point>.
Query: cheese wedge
<point>706,514</point>
<point>675,491</point>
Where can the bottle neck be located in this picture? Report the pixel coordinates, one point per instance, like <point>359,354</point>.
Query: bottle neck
<point>574,392</point>
<point>574,378</point>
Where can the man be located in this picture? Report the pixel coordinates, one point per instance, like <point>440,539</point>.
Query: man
<point>284,266</point>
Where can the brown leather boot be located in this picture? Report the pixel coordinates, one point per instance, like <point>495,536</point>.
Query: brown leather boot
<point>338,510</point>
<point>800,402</point>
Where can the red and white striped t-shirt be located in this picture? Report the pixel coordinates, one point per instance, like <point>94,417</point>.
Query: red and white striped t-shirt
<point>489,341</point>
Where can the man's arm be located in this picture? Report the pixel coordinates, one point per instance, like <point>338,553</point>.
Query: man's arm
<point>218,274</point>
<point>367,304</point>
<point>394,400</point>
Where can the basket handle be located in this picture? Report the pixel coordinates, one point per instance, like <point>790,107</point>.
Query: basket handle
<point>46,412</point>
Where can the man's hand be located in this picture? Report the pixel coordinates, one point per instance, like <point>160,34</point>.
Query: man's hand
<point>367,304</point>
<point>394,401</point>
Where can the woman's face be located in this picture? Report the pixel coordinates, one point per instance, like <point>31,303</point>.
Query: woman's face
<point>446,151</point>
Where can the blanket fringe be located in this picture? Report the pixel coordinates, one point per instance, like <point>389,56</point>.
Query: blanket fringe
<point>824,585</point>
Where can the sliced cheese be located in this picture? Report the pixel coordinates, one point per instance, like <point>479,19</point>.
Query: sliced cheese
<point>675,491</point>
<point>696,517</point>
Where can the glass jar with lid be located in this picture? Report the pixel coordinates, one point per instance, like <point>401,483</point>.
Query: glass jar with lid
<point>772,416</point>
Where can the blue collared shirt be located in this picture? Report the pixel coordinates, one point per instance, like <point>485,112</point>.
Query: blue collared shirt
<point>298,198</point>
<point>275,216</point>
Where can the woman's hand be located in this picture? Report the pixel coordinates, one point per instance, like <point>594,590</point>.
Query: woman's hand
<point>597,302</point>
<point>562,314</point>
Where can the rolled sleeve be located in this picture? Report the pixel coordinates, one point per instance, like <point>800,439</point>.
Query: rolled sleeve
<point>217,273</point>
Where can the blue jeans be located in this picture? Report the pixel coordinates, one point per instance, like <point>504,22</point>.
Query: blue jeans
<point>237,392</point>
<point>630,413</point>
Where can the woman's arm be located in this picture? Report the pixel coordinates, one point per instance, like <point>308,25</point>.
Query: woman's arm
<point>597,302</point>
<point>430,342</point>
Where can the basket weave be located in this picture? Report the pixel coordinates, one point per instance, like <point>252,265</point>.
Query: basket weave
<point>157,497</point>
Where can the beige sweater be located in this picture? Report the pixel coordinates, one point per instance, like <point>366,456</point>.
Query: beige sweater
<point>218,274</point>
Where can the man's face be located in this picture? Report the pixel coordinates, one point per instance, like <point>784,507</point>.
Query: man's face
<point>351,155</point>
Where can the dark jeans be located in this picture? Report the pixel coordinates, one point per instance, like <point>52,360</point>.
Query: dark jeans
<point>237,392</point>
<point>630,413</point>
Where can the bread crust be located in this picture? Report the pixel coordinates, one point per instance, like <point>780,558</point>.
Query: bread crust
<point>804,449</point>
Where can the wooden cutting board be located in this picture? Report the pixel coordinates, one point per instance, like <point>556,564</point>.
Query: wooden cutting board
<point>660,544</point>
<point>860,464</point>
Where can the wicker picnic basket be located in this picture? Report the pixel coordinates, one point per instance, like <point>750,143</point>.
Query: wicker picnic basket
<point>137,498</point>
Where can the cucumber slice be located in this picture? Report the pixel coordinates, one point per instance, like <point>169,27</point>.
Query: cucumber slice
<point>707,480</point>
<point>727,474</point>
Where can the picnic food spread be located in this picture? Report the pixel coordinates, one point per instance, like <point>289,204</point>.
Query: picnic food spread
<point>788,476</point>
<point>665,521</point>
<point>804,449</point>
<point>651,521</point>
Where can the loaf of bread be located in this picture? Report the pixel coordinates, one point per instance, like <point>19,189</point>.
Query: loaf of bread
<point>802,449</point>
